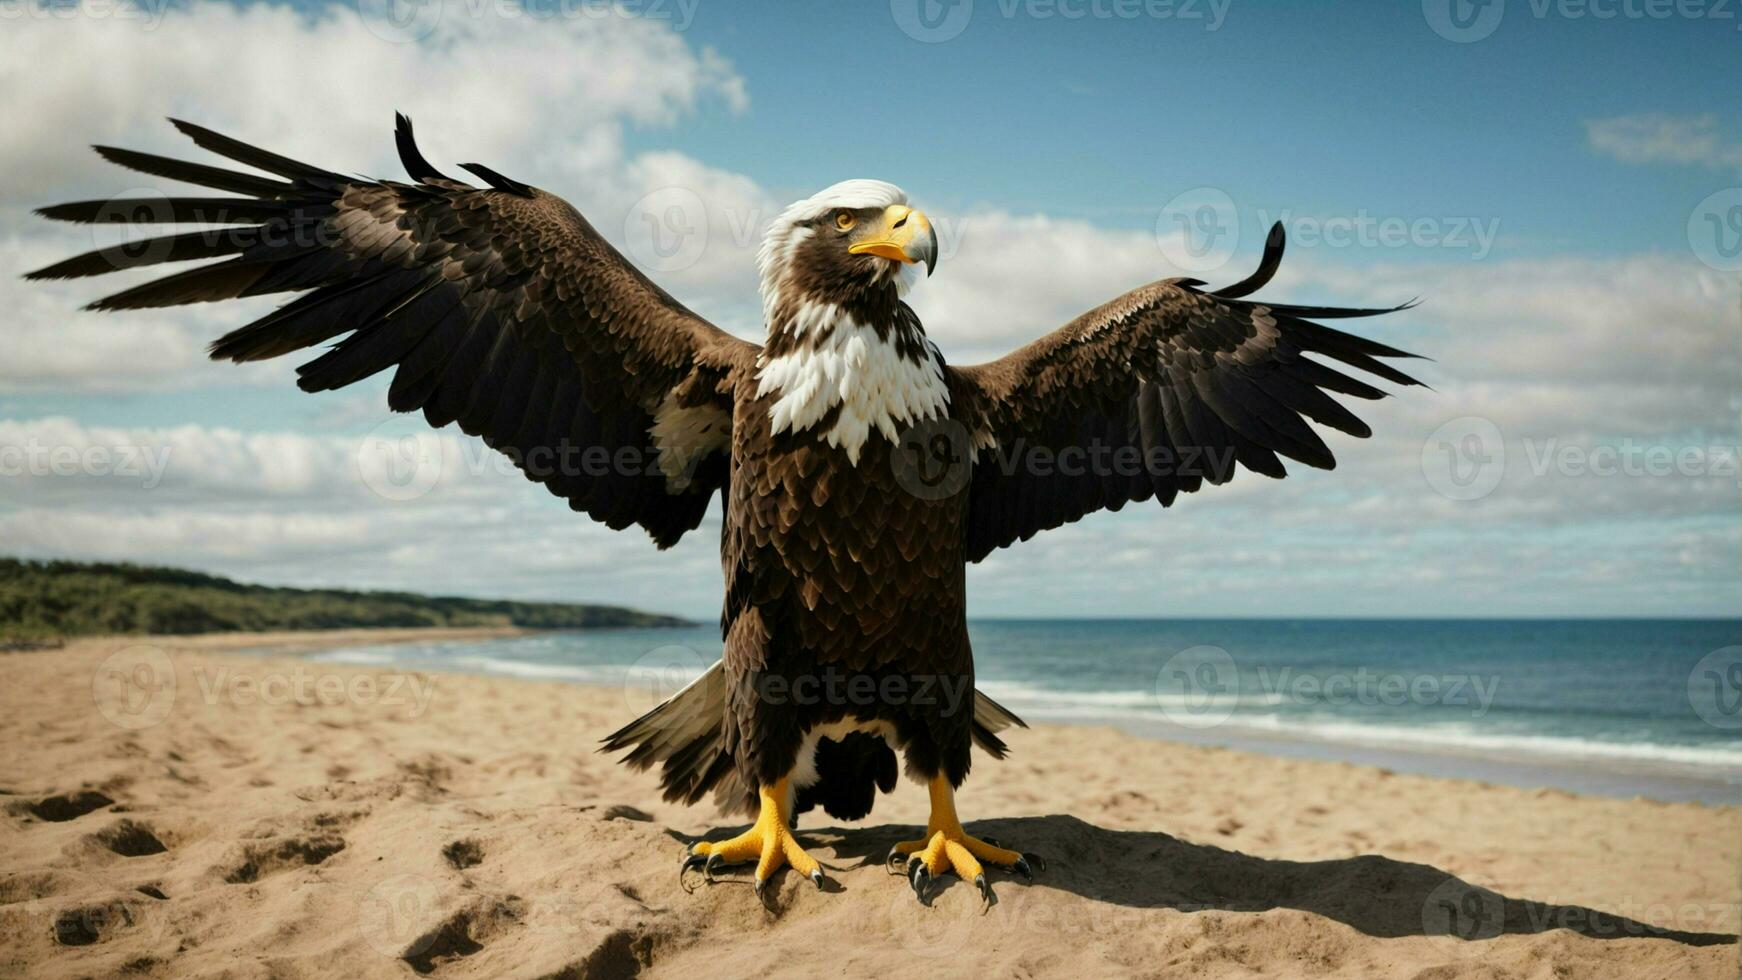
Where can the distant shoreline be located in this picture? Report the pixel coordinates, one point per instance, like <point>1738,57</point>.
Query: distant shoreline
<point>290,642</point>
<point>45,601</point>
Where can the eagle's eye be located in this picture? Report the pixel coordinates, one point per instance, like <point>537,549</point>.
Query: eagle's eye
<point>844,220</point>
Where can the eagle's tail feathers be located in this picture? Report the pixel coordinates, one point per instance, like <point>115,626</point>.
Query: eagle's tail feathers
<point>683,736</point>
<point>990,717</point>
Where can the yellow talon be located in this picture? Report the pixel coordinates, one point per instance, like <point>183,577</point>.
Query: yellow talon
<point>768,842</point>
<point>947,845</point>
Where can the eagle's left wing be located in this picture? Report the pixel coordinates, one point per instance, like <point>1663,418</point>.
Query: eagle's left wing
<point>499,308</point>
<point>1155,394</point>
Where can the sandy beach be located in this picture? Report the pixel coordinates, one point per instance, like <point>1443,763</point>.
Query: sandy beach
<point>188,807</point>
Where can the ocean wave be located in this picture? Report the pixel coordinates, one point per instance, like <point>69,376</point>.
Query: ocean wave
<point>1019,692</point>
<point>1152,710</point>
<point>579,673</point>
<point>356,656</point>
<point>1466,740</point>
<point>674,676</point>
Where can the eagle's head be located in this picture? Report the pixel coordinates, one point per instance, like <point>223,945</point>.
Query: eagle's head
<point>851,250</point>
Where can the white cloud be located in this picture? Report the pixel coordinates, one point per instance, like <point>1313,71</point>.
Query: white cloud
<point>54,346</point>
<point>540,95</point>
<point>1661,138</point>
<point>1006,279</point>
<point>543,100</point>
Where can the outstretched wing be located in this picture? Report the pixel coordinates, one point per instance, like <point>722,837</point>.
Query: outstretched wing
<point>1155,394</point>
<point>499,308</point>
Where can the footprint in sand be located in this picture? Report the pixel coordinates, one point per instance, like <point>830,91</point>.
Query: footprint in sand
<point>129,838</point>
<point>91,924</point>
<point>463,934</point>
<point>68,806</point>
<point>623,811</point>
<point>463,854</point>
<point>272,856</point>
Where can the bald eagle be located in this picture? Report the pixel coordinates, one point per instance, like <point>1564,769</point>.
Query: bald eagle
<point>859,472</point>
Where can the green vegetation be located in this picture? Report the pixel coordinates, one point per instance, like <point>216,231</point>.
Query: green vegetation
<point>41,600</point>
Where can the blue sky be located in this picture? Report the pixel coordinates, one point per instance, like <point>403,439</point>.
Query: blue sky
<point>1319,107</point>
<point>1556,171</point>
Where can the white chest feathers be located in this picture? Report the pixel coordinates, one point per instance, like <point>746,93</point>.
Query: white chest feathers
<point>877,389</point>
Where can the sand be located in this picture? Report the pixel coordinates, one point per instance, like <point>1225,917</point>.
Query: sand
<point>276,817</point>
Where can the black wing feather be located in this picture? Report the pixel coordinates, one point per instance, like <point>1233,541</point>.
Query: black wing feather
<point>1199,383</point>
<point>499,309</point>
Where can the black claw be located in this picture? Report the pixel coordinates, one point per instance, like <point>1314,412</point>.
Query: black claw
<point>715,863</point>
<point>1021,867</point>
<point>762,894</point>
<point>985,887</point>
<point>919,878</point>
<point>892,859</point>
<point>817,878</point>
<point>690,861</point>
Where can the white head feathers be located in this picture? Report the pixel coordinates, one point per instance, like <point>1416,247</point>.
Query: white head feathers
<point>785,234</point>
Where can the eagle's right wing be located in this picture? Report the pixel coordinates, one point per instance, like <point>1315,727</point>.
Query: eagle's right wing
<point>1155,394</point>
<point>498,308</point>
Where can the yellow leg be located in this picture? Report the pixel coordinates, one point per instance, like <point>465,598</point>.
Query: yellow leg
<point>947,846</point>
<point>768,842</point>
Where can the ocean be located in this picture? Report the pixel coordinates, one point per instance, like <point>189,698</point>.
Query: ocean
<point>1616,707</point>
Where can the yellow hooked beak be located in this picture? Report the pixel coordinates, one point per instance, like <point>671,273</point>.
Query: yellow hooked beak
<point>902,234</point>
